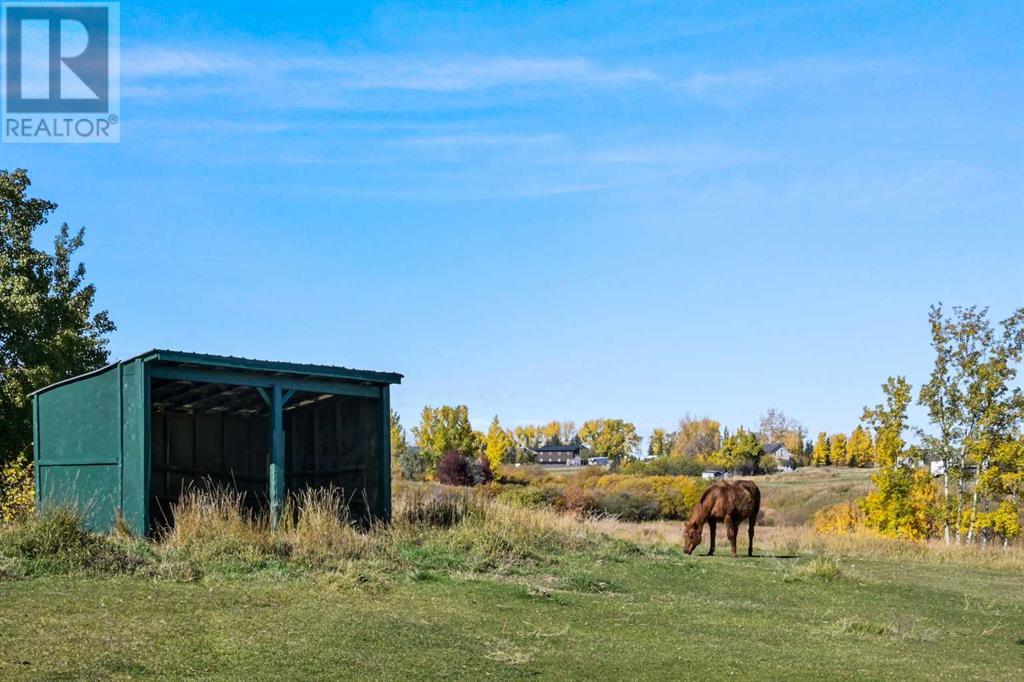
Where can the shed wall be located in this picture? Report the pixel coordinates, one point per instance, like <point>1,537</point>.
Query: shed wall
<point>78,447</point>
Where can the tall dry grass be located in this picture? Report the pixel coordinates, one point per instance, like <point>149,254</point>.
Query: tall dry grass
<point>804,541</point>
<point>433,528</point>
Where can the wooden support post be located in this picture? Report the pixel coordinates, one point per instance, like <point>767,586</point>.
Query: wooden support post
<point>276,474</point>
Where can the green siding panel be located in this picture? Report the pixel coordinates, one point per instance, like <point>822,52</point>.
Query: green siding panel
<point>93,490</point>
<point>135,438</point>
<point>80,423</point>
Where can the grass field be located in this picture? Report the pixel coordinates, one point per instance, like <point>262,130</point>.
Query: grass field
<point>523,593</point>
<point>791,498</point>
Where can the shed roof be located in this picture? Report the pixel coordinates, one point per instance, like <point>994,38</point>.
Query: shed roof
<point>246,365</point>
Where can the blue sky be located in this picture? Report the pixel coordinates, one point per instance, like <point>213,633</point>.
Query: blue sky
<point>567,211</point>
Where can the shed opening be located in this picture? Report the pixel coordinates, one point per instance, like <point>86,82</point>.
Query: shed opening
<point>206,434</point>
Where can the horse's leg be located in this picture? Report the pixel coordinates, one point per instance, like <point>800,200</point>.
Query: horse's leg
<point>711,526</point>
<point>730,528</point>
<point>750,536</point>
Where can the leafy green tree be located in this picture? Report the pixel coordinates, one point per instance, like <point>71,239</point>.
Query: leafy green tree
<point>741,452</point>
<point>858,448</point>
<point>972,403</point>
<point>446,428</point>
<point>500,446</point>
<point>612,438</point>
<point>820,454</point>
<point>48,330</point>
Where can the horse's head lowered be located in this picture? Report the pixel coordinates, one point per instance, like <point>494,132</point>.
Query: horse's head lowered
<point>692,536</point>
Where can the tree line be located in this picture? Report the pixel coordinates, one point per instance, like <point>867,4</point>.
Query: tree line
<point>696,444</point>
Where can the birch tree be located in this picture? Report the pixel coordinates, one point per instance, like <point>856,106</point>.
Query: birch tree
<point>970,402</point>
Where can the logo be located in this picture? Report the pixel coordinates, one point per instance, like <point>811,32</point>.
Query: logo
<point>61,72</point>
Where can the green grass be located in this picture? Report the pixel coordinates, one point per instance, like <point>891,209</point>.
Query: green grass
<point>462,588</point>
<point>653,615</point>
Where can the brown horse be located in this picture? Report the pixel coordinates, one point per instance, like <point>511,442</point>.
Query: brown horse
<point>724,501</point>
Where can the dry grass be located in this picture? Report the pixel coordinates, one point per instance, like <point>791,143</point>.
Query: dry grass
<point>792,498</point>
<point>803,540</point>
<point>433,528</point>
<point>211,524</point>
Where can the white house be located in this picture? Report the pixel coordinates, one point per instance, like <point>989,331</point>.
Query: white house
<point>782,455</point>
<point>712,474</point>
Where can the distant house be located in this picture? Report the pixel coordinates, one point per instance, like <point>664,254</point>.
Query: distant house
<point>712,474</point>
<point>939,469</point>
<point>562,455</point>
<point>783,456</point>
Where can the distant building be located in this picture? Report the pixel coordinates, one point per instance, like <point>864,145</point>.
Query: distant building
<point>562,455</point>
<point>783,456</point>
<point>939,469</point>
<point>712,474</point>
<point>599,462</point>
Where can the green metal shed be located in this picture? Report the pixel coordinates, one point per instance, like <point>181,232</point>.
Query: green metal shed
<point>130,437</point>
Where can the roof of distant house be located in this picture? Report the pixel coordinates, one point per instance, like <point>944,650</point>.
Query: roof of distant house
<point>559,448</point>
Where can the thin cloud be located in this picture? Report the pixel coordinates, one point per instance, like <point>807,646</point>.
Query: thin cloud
<point>144,67</point>
<point>740,85</point>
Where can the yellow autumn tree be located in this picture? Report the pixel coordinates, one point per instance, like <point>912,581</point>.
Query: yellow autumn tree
<point>499,444</point>
<point>837,449</point>
<point>820,454</point>
<point>904,503</point>
<point>858,448</point>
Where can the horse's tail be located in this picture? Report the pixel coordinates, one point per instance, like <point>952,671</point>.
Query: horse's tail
<point>755,494</point>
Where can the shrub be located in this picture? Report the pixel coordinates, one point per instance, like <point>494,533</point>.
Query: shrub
<point>825,568</point>
<point>628,506</point>
<point>673,465</point>
<point>845,517</point>
<point>454,469</point>
<point>17,490</point>
<point>57,541</point>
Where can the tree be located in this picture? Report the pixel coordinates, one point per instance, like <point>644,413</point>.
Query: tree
<point>697,437</point>
<point>741,452</point>
<point>971,405</point>
<point>903,503</point>
<point>399,443</point>
<point>568,434</point>
<point>820,454</point>
<point>612,438</point>
<point>528,436</point>
<point>660,443</point>
<point>48,330</point>
<point>837,450</point>
<point>446,428</point>
<point>500,445</point>
<point>858,448</point>
<point>776,427</point>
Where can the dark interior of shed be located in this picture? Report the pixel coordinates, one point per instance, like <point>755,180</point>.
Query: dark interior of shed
<point>207,434</point>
